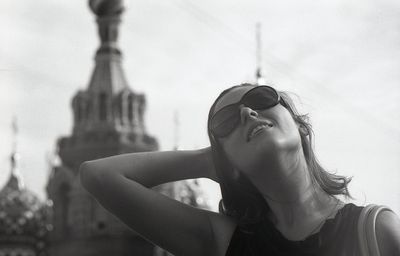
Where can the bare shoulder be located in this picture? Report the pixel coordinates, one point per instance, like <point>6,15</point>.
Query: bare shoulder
<point>388,233</point>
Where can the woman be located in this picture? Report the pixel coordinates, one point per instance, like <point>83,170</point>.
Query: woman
<point>277,199</point>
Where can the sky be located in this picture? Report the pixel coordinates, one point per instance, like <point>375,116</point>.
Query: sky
<point>341,58</point>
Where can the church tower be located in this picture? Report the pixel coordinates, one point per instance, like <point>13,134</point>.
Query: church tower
<point>108,115</point>
<point>108,119</point>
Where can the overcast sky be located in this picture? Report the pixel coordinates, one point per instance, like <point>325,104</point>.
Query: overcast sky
<point>341,57</point>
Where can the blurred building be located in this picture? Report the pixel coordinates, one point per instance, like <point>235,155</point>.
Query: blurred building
<point>24,219</point>
<point>108,120</point>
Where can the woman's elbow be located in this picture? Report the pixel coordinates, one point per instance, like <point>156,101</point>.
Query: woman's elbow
<point>90,175</point>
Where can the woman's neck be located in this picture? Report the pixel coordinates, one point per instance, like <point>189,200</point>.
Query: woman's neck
<point>298,206</point>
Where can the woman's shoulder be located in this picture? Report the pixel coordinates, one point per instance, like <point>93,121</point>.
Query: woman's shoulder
<point>378,230</point>
<point>388,232</point>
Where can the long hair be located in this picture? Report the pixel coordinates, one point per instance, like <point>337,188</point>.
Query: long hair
<point>240,198</point>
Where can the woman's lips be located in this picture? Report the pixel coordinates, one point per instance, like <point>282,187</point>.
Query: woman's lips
<point>258,128</point>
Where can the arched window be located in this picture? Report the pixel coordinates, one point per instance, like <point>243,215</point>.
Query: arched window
<point>88,109</point>
<point>121,109</point>
<point>130,108</point>
<point>103,106</point>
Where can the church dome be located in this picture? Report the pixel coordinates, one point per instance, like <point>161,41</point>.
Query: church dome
<point>21,212</point>
<point>24,219</point>
<point>106,7</point>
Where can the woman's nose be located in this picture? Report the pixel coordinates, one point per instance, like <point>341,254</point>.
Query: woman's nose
<point>247,113</point>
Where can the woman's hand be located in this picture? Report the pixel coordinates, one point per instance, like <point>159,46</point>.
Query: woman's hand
<point>210,168</point>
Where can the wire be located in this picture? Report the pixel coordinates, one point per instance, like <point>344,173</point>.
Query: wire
<point>281,66</point>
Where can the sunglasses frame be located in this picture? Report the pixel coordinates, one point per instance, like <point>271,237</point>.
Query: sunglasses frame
<point>278,100</point>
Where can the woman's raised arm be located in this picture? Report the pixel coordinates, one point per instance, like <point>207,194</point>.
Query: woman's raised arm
<point>121,184</point>
<point>154,168</point>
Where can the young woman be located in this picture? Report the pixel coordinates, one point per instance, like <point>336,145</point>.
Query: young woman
<point>277,199</point>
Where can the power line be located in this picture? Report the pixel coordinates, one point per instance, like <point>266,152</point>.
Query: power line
<point>278,64</point>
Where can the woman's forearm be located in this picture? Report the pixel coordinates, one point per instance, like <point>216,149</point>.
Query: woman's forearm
<point>153,168</point>
<point>121,185</point>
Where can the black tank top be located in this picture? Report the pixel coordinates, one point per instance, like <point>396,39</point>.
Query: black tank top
<point>337,237</point>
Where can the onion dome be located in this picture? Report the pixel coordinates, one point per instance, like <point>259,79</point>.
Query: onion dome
<point>20,210</point>
<point>23,218</point>
<point>106,7</point>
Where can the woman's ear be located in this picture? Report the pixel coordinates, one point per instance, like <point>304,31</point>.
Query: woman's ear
<point>303,130</point>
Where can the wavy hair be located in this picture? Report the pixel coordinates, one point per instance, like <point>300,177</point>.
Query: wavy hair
<point>240,198</point>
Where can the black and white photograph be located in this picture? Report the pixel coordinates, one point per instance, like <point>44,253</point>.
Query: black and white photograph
<point>204,128</point>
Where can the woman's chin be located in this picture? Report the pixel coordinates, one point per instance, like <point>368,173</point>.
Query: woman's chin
<point>264,157</point>
<point>272,145</point>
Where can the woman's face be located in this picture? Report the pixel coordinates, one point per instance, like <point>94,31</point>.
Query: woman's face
<point>261,138</point>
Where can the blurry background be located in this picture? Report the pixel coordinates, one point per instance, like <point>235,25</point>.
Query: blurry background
<point>342,58</point>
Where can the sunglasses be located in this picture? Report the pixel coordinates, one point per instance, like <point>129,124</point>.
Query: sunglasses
<point>225,120</point>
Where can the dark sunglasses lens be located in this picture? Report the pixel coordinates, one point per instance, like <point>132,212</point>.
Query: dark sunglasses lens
<point>226,128</point>
<point>261,98</point>
<point>224,121</point>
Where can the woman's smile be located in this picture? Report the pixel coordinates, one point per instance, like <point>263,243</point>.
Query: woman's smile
<point>257,128</point>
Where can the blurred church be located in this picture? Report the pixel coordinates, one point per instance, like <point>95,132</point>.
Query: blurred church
<point>25,221</point>
<point>108,119</point>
